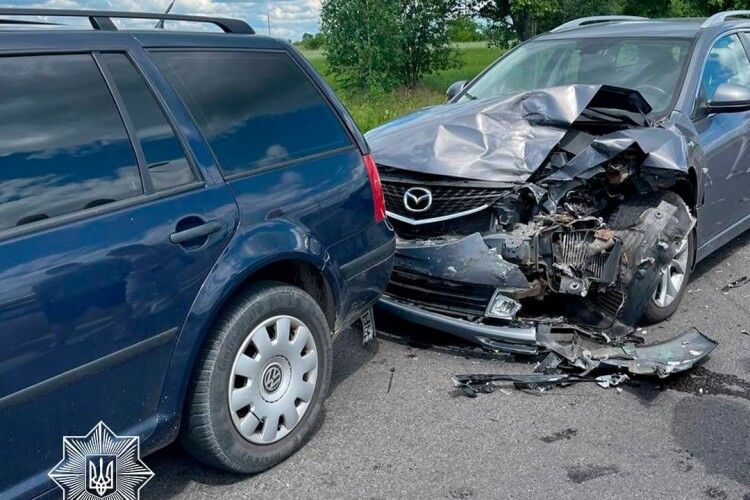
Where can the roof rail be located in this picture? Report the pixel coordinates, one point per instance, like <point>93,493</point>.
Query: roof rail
<point>102,19</point>
<point>26,23</point>
<point>583,21</point>
<point>719,18</point>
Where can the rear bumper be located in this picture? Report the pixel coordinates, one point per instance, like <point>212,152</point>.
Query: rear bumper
<point>365,279</point>
<point>521,339</point>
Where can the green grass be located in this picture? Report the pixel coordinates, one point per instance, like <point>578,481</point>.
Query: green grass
<point>371,110</point>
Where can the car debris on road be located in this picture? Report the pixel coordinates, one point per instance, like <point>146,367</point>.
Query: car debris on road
<point>736,284</point>
<point>567,354</point>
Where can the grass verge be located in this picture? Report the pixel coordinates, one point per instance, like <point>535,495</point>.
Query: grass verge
<point>373,109</point>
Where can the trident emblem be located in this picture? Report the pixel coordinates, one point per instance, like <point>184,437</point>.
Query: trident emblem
<point>100,474</point>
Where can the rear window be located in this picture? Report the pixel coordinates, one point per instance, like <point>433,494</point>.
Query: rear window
<point>63,144</point>
<point>256,109</point>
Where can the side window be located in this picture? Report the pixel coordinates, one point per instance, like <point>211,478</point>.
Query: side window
<point>727,63</point>
<point>63,145</point>
<point>165,158</point>
<point>256,109</point>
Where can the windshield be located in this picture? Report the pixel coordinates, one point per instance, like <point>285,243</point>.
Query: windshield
<point>651,66</point>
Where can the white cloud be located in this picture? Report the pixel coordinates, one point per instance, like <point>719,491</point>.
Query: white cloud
<point>288,18</point>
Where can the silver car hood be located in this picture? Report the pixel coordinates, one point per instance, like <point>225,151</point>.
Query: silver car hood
<point>508,138</point>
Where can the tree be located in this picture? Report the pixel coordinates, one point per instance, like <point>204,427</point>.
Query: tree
<point>424,42</point>
<point>464,28</point>
<point>362,41</point>
<point>381,43</point>
<point>520,16</point>
<point>312,42</point>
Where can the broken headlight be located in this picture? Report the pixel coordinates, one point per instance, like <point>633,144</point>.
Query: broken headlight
<point>502,307</point>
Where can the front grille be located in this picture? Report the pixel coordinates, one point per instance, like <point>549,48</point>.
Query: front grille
<point>479,222</point>
<point>444,296</point>
<point>446,200</point>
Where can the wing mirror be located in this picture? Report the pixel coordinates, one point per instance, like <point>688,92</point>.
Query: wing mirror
<point>456,89</point>
<point>729,98</point>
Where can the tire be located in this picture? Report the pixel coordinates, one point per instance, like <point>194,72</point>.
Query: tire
<point>628,214</point>
<point>212,432</point>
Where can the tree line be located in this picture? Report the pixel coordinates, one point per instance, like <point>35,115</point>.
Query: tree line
<point>522,19</point>
<point>380,44</point>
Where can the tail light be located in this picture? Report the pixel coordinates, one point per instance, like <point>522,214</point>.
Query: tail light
<point>377,187</point>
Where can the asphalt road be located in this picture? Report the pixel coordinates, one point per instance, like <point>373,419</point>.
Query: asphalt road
<point>394,428</point>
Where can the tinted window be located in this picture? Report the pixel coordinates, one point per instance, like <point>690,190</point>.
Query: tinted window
<point>63,145</point>
<point>727,63</point>
<point>255,109</point>
<point>164,156</point>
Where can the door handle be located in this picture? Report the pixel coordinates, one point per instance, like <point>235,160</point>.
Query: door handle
<point>194,233</point>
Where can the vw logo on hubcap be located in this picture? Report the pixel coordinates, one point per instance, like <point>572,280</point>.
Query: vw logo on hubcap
<point>418,199</point>
<point>272,378</point>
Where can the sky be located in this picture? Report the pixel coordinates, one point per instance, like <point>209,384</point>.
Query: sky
<point>289,18</point>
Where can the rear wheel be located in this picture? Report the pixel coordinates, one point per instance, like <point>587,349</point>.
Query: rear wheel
<point>260,384</point>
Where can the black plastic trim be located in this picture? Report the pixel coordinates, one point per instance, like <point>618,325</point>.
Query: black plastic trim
<point>70,377</point>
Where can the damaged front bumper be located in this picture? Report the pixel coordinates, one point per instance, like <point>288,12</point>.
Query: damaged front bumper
<point>555,275</point>
<point>515,339</point>
<point>453,284</point>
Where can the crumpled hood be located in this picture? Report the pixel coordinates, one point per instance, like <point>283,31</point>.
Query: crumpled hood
<point>508,138</point>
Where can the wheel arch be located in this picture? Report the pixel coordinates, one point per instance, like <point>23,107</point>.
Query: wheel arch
<point>240,265</point>
<point>687,188</point>
<point>296,272</point>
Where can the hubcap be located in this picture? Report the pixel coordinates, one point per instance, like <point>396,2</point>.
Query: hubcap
<point>273,379</point>
<point>672,277</point>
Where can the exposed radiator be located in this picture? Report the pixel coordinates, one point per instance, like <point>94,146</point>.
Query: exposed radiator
<point>574,252</point>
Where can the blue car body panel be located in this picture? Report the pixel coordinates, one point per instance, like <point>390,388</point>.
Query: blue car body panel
<point>102,317</point>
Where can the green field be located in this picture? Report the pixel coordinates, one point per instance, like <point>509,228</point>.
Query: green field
<point>371,110</point>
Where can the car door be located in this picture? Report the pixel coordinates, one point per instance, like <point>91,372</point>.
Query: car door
<point>107,232</point>
<point>725,138</point>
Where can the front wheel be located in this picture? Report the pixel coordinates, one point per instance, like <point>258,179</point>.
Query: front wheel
<point>663,302</point>
<point>672,284</point>
<point>261,381</point>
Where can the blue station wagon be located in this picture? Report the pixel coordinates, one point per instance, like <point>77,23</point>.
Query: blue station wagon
<point>186,220</point>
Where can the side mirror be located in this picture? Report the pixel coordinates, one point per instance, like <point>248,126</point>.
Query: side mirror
<point>729,98</point>
<point>456,89</point>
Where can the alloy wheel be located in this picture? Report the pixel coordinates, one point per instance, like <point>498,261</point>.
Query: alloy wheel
<point>273,379</point>
<point>673,277</point>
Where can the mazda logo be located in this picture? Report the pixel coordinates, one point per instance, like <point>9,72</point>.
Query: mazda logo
<point>418,199</point>
<point>272,378</point>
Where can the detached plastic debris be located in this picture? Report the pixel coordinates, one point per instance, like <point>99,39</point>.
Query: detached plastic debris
<point>662,359</point>
<point>736,284</point>
<point>472,385</point>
